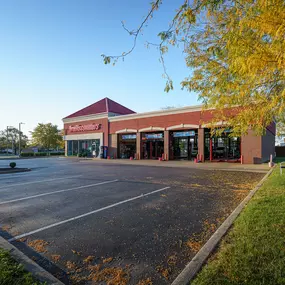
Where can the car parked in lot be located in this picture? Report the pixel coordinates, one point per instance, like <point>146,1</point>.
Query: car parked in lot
<point>9,151</point>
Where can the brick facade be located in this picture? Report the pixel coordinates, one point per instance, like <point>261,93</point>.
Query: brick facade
<point>163,121</point>
<point>254,149</point>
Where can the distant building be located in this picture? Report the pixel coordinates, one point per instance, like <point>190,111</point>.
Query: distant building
<point>31,149</point>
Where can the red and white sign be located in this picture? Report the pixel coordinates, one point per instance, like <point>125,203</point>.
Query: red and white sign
<point>83,128</point>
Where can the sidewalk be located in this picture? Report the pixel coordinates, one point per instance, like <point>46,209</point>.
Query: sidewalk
<point>5,157</point>
<point>262,168</point>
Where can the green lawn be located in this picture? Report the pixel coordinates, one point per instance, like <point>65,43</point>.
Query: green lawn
<point>12,273</point>
<point>253,252</point>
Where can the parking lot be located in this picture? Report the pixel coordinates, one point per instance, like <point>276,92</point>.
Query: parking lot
<point>92,223</point>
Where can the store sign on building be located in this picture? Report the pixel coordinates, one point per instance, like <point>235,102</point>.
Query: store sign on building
<point>184,134</point>
<point>83,128</point>
<point>153,136</point>
<point>129,137</point>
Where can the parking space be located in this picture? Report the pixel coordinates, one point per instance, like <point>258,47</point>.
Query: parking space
<point>98,222</point>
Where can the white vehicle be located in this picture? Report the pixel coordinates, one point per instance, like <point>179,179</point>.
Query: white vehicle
<point>10,151</point>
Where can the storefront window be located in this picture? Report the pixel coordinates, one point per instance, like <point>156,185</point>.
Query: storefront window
<point>74,147</point>
<point>207,136</point>
<point>127,145</point>
<point>153,145</point>
<point>69,148</point>
<point>84,148</point>
<point>89,148</point>
<point>184,144</point>
<point>224,147</point>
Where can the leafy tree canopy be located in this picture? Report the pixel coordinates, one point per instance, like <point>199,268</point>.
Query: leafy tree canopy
<point>236,50</point>
<point>13,136</point>
<point>46,135</point>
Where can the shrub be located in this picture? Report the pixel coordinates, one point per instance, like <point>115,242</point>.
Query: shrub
<point>12,272</point>
<point>13,164</point>
<point>83,153</point>
<point>27,154</point>
<point>40,154</point>
<point>56,153</point>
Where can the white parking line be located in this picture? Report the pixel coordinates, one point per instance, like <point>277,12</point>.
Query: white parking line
<point>86,214</point>
<point>38,181</point>
<point>55,192</point>
<point>26,174</point>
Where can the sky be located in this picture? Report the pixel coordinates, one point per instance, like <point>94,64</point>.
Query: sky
<point>51,64</point>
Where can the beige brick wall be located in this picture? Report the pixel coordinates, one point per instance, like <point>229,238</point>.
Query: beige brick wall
<point>251,148</point>
<point>201,142</point>
<point>166,145</point>
<point>139,146</point>
<point>113,146</point>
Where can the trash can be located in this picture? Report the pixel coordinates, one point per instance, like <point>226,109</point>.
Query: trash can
<point>104,152</point>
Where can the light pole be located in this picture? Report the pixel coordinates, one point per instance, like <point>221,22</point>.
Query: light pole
<point>20,137</point>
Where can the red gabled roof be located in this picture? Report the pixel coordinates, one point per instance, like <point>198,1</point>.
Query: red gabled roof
<point>105,105</point>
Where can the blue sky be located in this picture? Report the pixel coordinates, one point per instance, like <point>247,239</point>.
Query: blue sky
<point>51,64</point>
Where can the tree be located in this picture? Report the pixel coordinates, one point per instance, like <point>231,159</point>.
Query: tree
<point>13,139</point>
<point>47,136</point>
<point>3,141</point>
<point>236,52</point>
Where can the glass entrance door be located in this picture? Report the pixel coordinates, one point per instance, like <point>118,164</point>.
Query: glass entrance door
<point>152,145</point>
<point>183,148</point>
<point>96,148</point>
<point>153,149</point>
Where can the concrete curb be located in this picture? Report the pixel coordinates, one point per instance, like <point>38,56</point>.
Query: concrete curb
<point>194,266</point>
<point>15,170</point>
<point>37,271</point>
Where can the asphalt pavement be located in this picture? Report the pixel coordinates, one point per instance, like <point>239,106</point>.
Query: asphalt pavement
<point>90,222</point>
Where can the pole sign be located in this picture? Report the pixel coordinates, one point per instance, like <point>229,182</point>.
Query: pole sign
<point>83,128</point>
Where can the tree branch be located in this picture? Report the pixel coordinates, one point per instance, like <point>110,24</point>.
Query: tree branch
<point>135,33</point>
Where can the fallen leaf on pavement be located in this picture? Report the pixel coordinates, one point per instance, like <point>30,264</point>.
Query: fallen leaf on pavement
<point>107,260</point>
<point>89,259</point>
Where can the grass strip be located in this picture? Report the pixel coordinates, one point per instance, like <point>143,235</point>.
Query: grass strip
<point>253,252</point>
<point>13,273</point>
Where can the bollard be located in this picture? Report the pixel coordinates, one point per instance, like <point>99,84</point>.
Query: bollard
<point>271,163</point>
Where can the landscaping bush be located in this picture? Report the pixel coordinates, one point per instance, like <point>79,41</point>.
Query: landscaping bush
<point>12,273</point>
<point>27,154</point>
<point>13,164</point>
<point>83,153</point>
<point>56,153</point>
<point>40,154</point>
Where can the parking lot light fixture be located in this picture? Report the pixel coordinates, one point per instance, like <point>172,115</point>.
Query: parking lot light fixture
<point>20,138</point>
